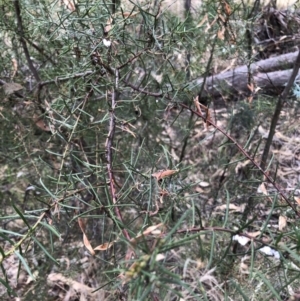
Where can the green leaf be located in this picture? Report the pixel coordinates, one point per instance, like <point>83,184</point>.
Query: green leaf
<point>9,289</point>
<point>45,250</point>
<point>21,215</point>
<point>24,262</point>
<point>52,229</point>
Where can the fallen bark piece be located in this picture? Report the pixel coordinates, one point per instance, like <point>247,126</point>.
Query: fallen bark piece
<point>74,287</point>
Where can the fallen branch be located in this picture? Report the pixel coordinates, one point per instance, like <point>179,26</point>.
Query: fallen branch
<point>267,74</point>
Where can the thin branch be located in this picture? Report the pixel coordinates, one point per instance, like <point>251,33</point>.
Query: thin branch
<point>142,90</point>
<point>65,78</point>
<point>109,150</point>
<point>23,41</point>
<point>19,243</point>
<point>59,80</point>
<point>40,50</point>
<point>281,101</point>
<point>133,58</point>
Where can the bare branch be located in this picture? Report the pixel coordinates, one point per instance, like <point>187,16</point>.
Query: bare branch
<point>109,150</point>
<point>280,102</point>
<point>23,41</point>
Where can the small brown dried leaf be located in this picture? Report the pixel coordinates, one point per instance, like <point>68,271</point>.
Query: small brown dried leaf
<point>262,189</point>
<point>108,26</point>
<point>232,208</point>
<point>40,123</point>
<point>130,254</point>
<point>152,230</point>
<point>297,200</point>
<point>227,8</point>
<point>163,174</point>
<point>104,247</point>
<point>205,19</point>
<point>70,5</point>
<point>10,88</point>
<point>129,14</point>
<point>81,224</point>
<point>221,33</point>
<point>15,67</point>
<point>282,222</point>
<point>254,234</point>
<point>88,245</point>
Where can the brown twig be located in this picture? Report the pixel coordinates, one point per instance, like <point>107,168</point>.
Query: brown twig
<point>109,150</point>
<point>23,41</point>
<point>142,90</point>
<point>41,51</point>
<point>133,58</point>
<point>66,78</point>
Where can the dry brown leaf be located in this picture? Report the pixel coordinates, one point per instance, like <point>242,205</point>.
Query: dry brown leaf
<point>108,26</point>
<point>227,8</point>
<point>125,128</point>
<point>10,88</point>
<point>254,234</point>
<point>199,190</point>
<point>129,14</point>
<point>104,247</point>
<point>130,254</point>
<point>297,200</point>
<point>250,87</point>
<point>82,290</point>
<point>40,123</point>
<point>70,5</point>
<point>86,242</point>
<point>197,104</point>
<point>163,174</point>
<point>244,267</point>
<point>152,230</point>
<point>221,34</point>
<point>282,222</point>
<point>262,189</point>
<point>15,67</point>
<point>205,19</point>
<point>88,245</point>
<point>232,207</point>
<point>241,165</point>
<point>81,224</point>
<point>208,118</point>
